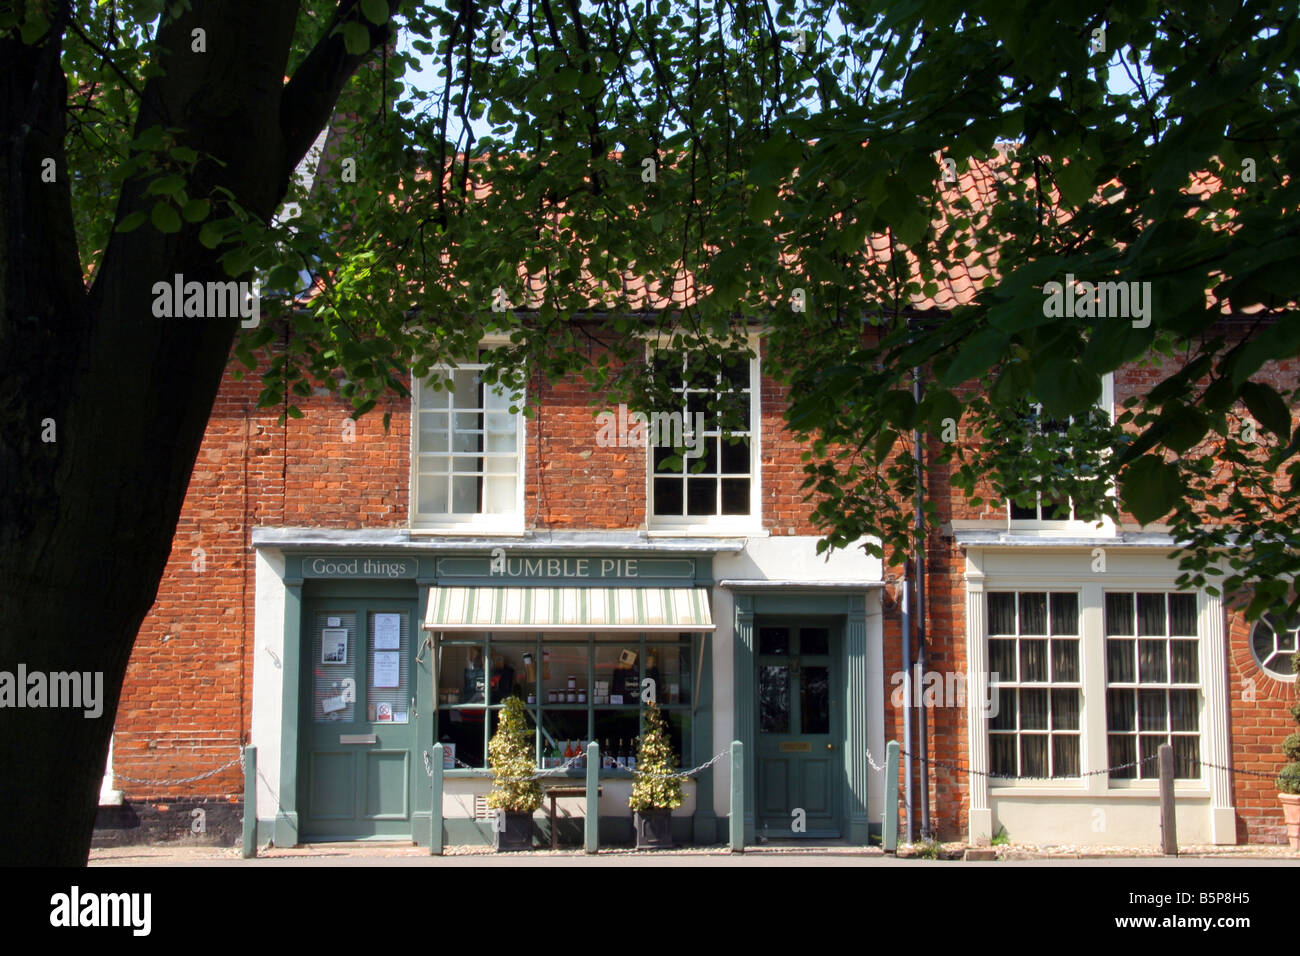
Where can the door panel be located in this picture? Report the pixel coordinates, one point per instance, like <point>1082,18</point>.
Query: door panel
<point>358,722</point>
<point>774,786</point>
<point>333,786</point>
<point>800,761</point>
<point>387,784</point>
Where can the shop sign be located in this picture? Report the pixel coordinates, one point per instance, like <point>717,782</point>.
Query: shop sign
<point>500,564</point>
<point>355,567</point>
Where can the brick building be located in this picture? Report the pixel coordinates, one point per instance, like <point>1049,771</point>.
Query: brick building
<point>343,596</point>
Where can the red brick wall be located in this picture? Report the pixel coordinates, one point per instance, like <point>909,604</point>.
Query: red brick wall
<point>186,703</point>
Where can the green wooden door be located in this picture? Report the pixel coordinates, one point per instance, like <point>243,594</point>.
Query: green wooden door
<point>357,765</point>
<point>800,760</point>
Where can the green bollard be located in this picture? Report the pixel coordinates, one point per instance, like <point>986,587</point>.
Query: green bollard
<point>591,825</point>
<point>737,816</point>
<point>435,816</point>
<point>250,802</point>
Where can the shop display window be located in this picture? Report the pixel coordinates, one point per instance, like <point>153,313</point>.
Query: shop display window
<point>577,688</point>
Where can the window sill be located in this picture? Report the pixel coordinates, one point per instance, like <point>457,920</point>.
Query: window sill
<point>1077,788</point>
<point>708,531</point>
<point>470,530</point>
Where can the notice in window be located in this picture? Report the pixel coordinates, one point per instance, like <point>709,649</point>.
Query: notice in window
<point>388,669</point>
<point>388,632</point>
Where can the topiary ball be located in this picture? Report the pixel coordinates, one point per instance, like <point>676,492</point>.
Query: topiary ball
<point>1291,746</point>
<point>1288,781</point>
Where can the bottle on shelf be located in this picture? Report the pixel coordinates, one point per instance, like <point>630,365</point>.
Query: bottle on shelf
<point>606,756</point>
<point>582,755</point>
<point>620,755</point>
<point>631,755</point>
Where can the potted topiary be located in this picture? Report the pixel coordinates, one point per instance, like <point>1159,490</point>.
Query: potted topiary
<point>1288,781</point>
<point>510,754</point>
<point>656,793</point>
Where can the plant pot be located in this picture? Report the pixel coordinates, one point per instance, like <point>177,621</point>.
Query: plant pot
<point>1291,813</point>
<point>654,829</point>
<point>517,833</point>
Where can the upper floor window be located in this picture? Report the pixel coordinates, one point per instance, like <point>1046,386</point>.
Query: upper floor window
<point>703,448</point>
<point>468,452</point>
<point>1043,506</point>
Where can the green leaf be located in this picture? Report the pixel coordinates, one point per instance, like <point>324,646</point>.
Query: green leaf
<point>763,203</point>
<point>1268,408</point>
<point>168,185</point>
<point>165,218</point>
<point>356,38</point>
<point>1065,388</point>
<point>133,221</point>
<point>376,11</point>
<point>196,210</point>
<point>1150,488</point>
<point>212,234</point>
<point>35,28</point>
<point>975,356</point>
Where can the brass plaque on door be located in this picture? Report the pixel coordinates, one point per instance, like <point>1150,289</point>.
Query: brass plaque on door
<point>796,747</point>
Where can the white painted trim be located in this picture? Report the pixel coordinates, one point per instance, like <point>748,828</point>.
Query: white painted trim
<point>267,727</point>
<point>109,795</point>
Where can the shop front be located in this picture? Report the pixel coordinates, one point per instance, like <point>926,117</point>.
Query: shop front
<point>370,651</point>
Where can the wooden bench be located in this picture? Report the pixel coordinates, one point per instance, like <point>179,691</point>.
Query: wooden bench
<point>555,793</point>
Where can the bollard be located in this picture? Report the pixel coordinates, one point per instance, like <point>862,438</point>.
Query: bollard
<point>591,826</point>
<point>1168,822</point>
<point>435,816</point>
<point>250,802</point>
<point>889,836</point>
<point>737,820</point>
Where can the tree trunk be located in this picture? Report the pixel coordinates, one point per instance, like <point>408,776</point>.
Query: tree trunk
<point>102,405</point>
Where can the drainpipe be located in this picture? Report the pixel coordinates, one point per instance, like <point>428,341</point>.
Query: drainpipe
<point>907,704</point>
<point>918,546</point>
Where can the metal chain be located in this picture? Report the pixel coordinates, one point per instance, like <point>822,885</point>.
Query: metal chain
<point>684,773</point>
<point>947,765</point>
<point>570,764</point>
<point>171,783</point>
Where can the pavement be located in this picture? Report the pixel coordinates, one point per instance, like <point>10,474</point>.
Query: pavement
<point>365,854</point>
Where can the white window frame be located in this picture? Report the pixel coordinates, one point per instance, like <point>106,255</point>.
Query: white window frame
<point>511,523</point>
<point>716,525</point>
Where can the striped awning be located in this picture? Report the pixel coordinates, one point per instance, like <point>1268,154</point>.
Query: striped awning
<point>568,609</point>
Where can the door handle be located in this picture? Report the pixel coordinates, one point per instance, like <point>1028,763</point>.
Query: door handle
<point>830,746</point>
